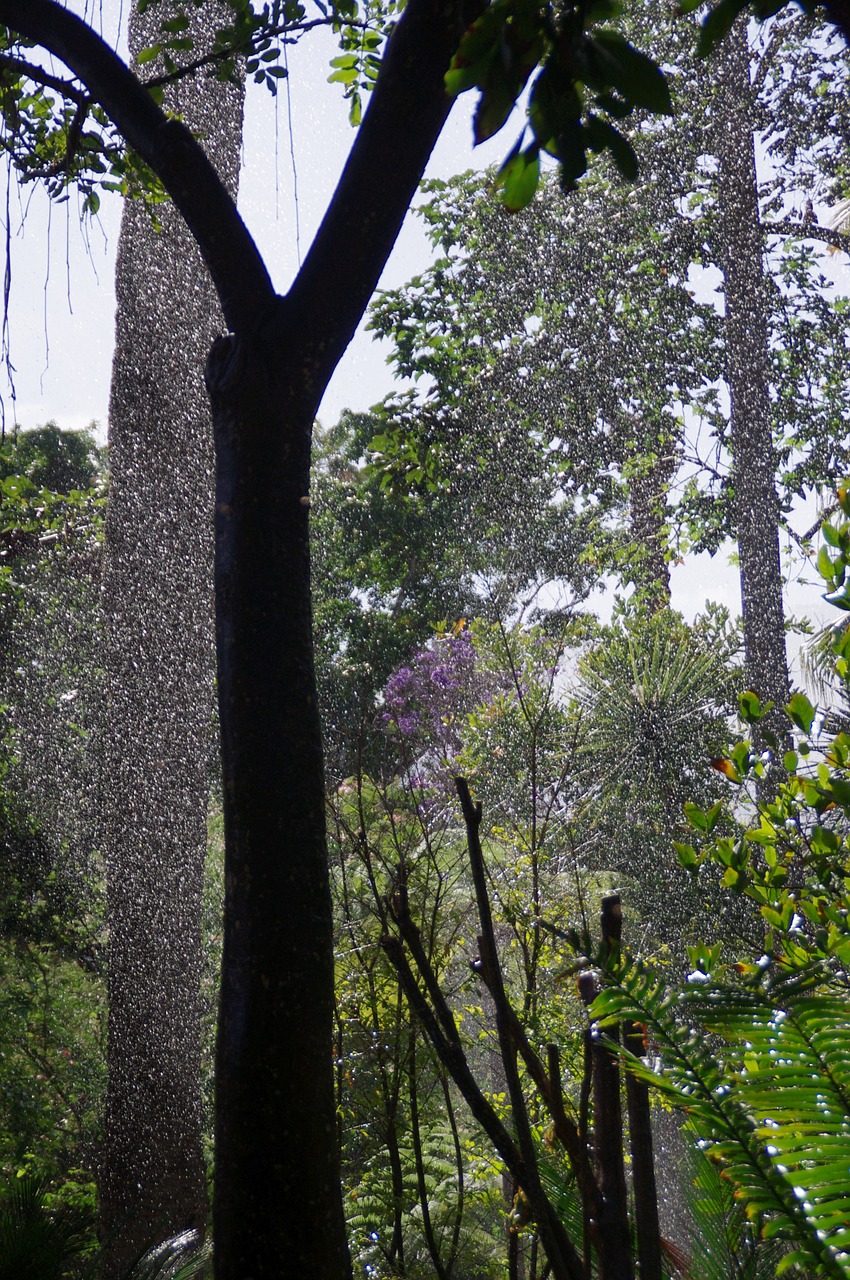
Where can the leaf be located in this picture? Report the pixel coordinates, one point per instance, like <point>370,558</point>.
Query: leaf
<point>518,178</point>
<point>148,55</point>
<point>175,25</point>
<point>635,75</point>
<point>717,23</point>
<point>624,155</point>
<point>750,707</point>
<point>496,103</point>
<point>827,567</point>
<point>726,767</point>
<point>801,712</point>
<point>687,855</point>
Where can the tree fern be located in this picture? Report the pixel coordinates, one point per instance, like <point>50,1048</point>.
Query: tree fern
<point>771,1105</point>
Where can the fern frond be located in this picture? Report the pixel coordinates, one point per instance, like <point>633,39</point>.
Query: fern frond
<point>772,1112</point>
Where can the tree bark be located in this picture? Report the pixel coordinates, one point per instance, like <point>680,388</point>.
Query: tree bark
<point>756,504</point>
<point>278,1205</point>
<point>158,618</point>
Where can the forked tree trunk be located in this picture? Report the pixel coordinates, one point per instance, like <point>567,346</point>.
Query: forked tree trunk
<point>277,1200</point>
<point>158,614</point>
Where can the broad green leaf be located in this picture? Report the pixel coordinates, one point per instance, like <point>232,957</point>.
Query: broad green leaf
<point>519,177</point>
<point>801,712</point>
<point>632,73</point>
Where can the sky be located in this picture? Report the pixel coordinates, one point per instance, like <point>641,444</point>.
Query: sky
<point>61,310</point>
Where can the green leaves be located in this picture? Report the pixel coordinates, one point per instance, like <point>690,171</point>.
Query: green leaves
<point>637,79</point>
<point>518,178</point>
<point>588,78</point>
<point>801,712</point>
<point>704,820</point>
<point>770,1103</point>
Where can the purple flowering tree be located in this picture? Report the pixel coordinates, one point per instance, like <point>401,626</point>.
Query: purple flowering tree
<point>426,702</point>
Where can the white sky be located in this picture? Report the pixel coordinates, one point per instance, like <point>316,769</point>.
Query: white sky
<point>62,298</point>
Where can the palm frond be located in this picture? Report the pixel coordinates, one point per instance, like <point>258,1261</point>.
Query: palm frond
<point>39,1241</point>
<point>185,1256</point>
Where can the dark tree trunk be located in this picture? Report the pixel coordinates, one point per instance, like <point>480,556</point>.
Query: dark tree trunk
<point>158,614</point>
<point>277,1185</point>
<point>756,504</point>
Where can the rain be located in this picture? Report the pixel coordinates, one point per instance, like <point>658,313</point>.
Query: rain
<point>468,896</point>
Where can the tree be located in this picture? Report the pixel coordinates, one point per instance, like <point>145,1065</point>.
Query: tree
<point>277,1183</point>
<point>769,1099</point>
<point>755,502</point>
<point>277,1191</point>
<point>157,612</point>
<point>51,458</point>
<point>586,338</point>
<point>560,356</point>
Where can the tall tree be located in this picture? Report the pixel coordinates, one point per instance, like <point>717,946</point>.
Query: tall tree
<point>158,620</point>
<point>561,350</point>
<point>754,460</point>
<point>277,1201</point>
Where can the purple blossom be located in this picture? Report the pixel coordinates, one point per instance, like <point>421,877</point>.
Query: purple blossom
<point>428,699</point>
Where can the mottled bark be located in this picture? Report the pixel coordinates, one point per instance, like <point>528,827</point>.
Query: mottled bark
<point>158,617</point>
<point>756,504</point>
<point>650,569</point>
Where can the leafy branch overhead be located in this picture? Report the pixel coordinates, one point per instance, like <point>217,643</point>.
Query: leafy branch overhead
<point>590,80</point>
<point>57,132</point>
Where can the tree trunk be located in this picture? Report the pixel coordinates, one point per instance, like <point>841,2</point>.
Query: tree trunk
<point>157,597</point>
<point>278,1204</point>
<point>756,505</point>
<point>648,490</point>
<point>277,1198</point>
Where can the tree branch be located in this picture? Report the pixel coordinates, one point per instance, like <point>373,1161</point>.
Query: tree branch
<point>274,31</point>
<point>453,1059</point>
<point>405,116</point>
<point>167,146</point>
<point>560,1250</point>
<point>39,75</point>
<point>807,229</point>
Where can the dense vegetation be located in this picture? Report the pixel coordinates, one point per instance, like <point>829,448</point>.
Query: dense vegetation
<point>575,404</point>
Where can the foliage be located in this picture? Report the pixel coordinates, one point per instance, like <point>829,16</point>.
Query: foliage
<point>418,1194</point>
<point>770,1098</point>
<point>589,77</point>
<point>40,1240</point>
<point>590,80</point>
<point>573,355</point>
<point>567,390</point>
<point>386,570</point>
<point>182,1257</point>
<point>53,459</point>
<point>57,134</point>
<point>721,15</point>
<point>52,1008</point>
